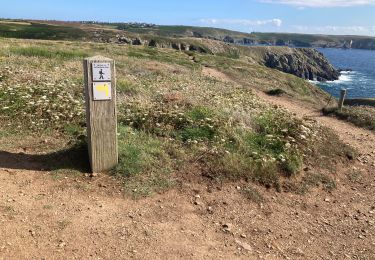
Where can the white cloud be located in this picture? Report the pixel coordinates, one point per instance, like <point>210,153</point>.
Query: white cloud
<point>242,22</point>
<point>335,30</point>
<point>321,3</point>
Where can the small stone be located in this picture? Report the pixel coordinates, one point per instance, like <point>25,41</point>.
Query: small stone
<point>94,175</point>
<point>238,188</point>
<point>245,246</point>
<point>327,200</point>
<point>227,227</point>
<point>197,196</point>
<point>243,236</point>
<point>210,209</point>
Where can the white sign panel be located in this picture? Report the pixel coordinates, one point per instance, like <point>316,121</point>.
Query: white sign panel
<point>102,91</point>
<point>101,71</point>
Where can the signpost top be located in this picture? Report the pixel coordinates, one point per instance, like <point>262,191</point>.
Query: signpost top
<point>98,58</point>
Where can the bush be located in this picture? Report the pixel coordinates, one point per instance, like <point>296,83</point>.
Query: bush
<point>276,92</point>
<point>164,121</point>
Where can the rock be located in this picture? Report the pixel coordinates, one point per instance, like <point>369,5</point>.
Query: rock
<point>228,39</point>
<point>303,62</point>
<point>243,236</point>
<point>153,43</point>
<point>62,244</point>
<point>210,209</point>
<point>32,233</point>
<point>227,227</point>
<point>137,41</point>
<point>176,46</point>
<point>123,40</point>
<point>244,245</point>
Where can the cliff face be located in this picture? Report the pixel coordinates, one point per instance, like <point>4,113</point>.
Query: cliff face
<point>363,44</point>
<point>304,63</point>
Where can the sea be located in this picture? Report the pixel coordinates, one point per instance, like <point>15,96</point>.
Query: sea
<point>358,75</point>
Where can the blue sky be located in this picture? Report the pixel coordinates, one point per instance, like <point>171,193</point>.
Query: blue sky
<point>314,16</point>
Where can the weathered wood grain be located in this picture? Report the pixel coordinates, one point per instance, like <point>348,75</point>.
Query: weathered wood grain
<point>101,119</point>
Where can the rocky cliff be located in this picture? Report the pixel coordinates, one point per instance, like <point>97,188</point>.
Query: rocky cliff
<point>304,63</point>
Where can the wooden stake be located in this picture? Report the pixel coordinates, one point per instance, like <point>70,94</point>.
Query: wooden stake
<point>101,113</point>
<point>342,98</point>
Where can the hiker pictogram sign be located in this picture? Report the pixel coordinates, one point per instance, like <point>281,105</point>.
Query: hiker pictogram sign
<point>101,72</point>
<point>102,91</point>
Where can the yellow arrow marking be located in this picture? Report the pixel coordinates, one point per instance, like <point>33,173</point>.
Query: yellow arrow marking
<point>104,88</point>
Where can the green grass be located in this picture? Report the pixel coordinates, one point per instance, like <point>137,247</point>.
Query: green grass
<point>231,53</point>
<point>126,87</point>
<point>144,163</point>
<point>48,53</point>
<point>40,31</point>
<point>159,55</point>
<point>140,153</point>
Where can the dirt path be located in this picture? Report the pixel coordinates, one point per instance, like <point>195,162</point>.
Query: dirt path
<point>44,217</point>
<point>362,140</point>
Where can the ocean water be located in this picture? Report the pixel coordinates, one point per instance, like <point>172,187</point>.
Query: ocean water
<point>360,82</point>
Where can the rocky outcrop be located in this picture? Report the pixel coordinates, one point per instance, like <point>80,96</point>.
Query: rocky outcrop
<point>304,63</point>
<point>365,44</point>
<point>228,39</point>
<point>171,44</point>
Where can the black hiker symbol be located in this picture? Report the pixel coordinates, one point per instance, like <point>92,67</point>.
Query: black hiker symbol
<point>101,73</point>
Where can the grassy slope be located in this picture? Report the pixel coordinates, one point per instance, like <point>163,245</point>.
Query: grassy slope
<point>173,121</point>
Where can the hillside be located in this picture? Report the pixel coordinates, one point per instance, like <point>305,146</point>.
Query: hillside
<point>110,32</point>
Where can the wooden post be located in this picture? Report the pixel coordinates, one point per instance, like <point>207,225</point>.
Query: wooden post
<point>342,98</point>
<point>101,113</point>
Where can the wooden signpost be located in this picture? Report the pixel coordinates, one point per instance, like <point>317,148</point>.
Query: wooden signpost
<point>101,114</point>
